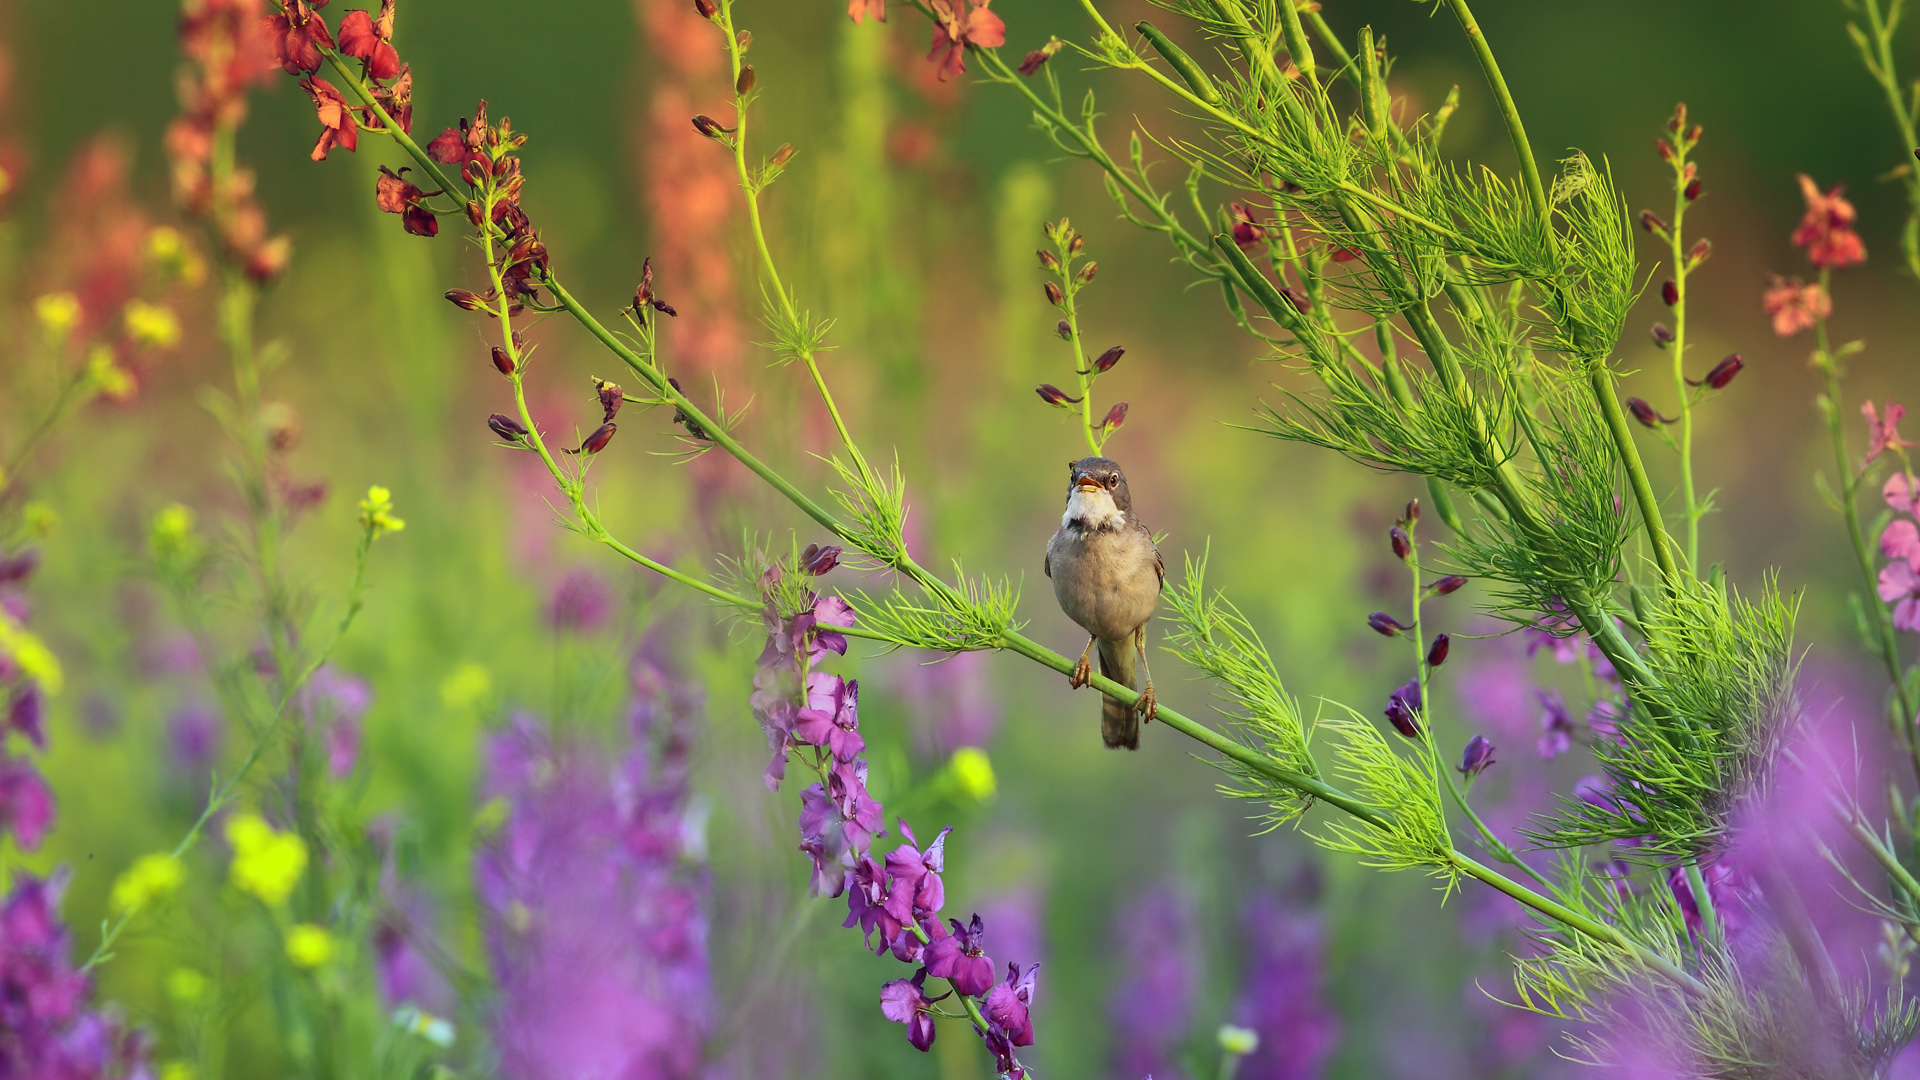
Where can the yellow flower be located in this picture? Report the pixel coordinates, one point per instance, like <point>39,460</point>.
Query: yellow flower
<point>33,658</point>
<point>376,512</point>
<point>266,863</point>
<point>1238,1040</point>
<point>169,253</point>
<point>107,377</point>
<point>178,1070</point>
<point>58,314</point>
<point>465,685</point>
<point>39,519</point>
<point>170,536</point>
<point>309,946</point>
<point>973,771</point>
<point>186,985</point>
<point>151,877</point>
<point>151,325</point>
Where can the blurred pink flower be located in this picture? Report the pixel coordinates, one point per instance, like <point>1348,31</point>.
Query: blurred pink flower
<point>1901,541</point>
<point>1794,305</point>
<point>1826,230</point>
<point>1900,586</point>
<point>860,9</point>
<point>1884,434</point>
<point>953,32</point>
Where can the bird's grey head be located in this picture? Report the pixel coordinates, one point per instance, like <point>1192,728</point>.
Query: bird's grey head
<point>1097,495</point>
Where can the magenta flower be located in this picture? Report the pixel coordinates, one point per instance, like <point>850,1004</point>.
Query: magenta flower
<point>580,603</point>
<point>1152,1005</point>
<point>1009,1005</point>
<point>1403,707</point>
<point>1900,586</point>
<point>26,802</point>
<point>1898,496</point>
<point>24,715</point>
<point>1883,434</point>
<point>1901,541</point>
<point>1556,727</point>
<point>831,719</point>
<point>46,1028</point>
<point>905,1001</point>
<point>1281,998</point>
<point>961,959</point>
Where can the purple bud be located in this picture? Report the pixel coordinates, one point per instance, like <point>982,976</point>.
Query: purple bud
<point>1054,295</point>
<point>597,441</point>
<point>1698,254</point>
<point>1385,624</point>
<point>1651,222</point>
<point>1476,757</point>
<point>1402,545</point>
<point>1402,705</point>
<point>19,566</point>
<point>817,560</point>
<point>1724,371</point>
<point>1065,330</point>
<point>1693,189</point>
<point>1053,395</point>
<point>1645,413</point>
<point>1107,359</point>
<point>1670,292</point>
<point>502,361</point>
<point>1047,260</point>
<point>1298,299</point>
<point>1437,653</point>
<point>1115,417</point>
<point>1662,336</point>
<point>507,427</point>
<point>1448,584</point>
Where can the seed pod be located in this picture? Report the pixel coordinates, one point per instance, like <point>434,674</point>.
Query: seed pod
<point>462,298</point>
<point>507,427</point>
<point>744,84</point>
<point>1105,361</point>
<point>1670,292</point>
<point>1054,295</point>
<point>1181,63</point>
<point>502,361</point>
<point>1437,652</point>
<point>1047,260</point>
<point>1662,335</point>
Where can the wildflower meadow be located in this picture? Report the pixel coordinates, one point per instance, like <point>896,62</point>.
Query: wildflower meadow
<point>1208,539</point>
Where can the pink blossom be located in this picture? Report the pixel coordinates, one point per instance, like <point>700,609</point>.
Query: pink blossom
<point>1902,541</point>
<point>1884,434</point>
<point>1898,495</point>
<point>1900,586</point>
<point>1826,230</point>
<point>1794,305</point>
<point>953,32</point>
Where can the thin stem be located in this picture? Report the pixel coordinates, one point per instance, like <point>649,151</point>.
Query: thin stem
<point>1509,112</point>
<point>1878,54</point>
<point>1703,901</point>
<point>1682,392</point>
<point>71,396</point>
<point>1601,379</point>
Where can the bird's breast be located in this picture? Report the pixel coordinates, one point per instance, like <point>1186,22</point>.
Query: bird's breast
<point>1104,580</point>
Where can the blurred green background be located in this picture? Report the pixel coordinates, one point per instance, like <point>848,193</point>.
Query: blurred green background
<point>910,215</point>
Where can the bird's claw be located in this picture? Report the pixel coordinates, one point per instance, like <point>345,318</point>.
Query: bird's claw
<point>1148,706</point>
<point>1082,673</point>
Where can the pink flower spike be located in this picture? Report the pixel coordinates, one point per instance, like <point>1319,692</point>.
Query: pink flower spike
<point>1883,434</point>
<point>1898,496</point>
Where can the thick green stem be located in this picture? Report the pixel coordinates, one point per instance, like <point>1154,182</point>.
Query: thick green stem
<point>1509,112</point>
<point>1601,379</point>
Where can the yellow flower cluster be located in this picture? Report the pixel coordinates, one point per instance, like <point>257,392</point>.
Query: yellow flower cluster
<point>266,863</point>
<point>170,536</point>
<point>151,325</point>
<point>151,877</point>
<point>30,655</point>
<point>309,946</point>
<point>973,772</point>
<point>376,512</point>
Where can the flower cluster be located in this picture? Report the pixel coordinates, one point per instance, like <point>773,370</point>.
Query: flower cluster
<point>896,899</point>
<point>46,1028</point>
<point>1826,232</point>
<point>228,49</point>
<point>1899,583</point>
<point>594,893</point>
<point>299,41</point>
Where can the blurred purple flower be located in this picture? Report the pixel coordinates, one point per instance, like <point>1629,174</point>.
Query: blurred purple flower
<point>951,703</point>
<point>1556,727</point>
<point>1900,586</point>
<point>26,802</point>
<point>1151,1007</point>
<point>194,735</point>
<point>46,1029</point>
<point>1281,995</point>
<point>334,703</point>
<point>580,603</point>
<point>24,715</point>
<point>593,897</point>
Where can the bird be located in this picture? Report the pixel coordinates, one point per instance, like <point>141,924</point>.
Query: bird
<point>1107,574</point>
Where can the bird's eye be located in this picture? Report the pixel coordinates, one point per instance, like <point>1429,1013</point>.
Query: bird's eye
<point>1113,479</point>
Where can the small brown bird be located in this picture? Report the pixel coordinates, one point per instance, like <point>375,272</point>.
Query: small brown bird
<point>1106,575</point>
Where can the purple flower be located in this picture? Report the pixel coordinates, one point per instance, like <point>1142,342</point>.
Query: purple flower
<point>1477,756</point>
<point>831,718</point>
<point>1386,625</point>
<point>1555,629</point>
<point>916,890</point>
<point>1403,708</point>
<point>1009,1005</point>
<point>26,802</point>
<point>1281,996</point>
<point>905,1001</point>
<point>1152,1003</point>
<point>950,702</point>
<point>961,958</point>
<point>580,603</point>
<point>24,715</point>
<point>46,1029</point>
<point>1900,586</point>
<point>1606,718</point>
<point>19,566</point>
<point>194,736</point>
<point>1556,727</point>
<point>334,703</point>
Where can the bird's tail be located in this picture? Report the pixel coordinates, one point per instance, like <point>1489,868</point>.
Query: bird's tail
<point>1119,723</point>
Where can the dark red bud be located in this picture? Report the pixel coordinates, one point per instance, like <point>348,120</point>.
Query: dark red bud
<point>782,156</point>
<point>1078,243</point>
<point>1699,252</point>
<point>1449,584</point>
<point>1032,61</point>
<point>1437,652</point>
<point>1065,330</point>
<point>744,39</point>
<point>707,8</point>
<point>1670,292</point>
<point>502,361</point>
<point>1047,260</point>
<point>744,84</point>
<point>709,127</point>
<point>1054,295</point>
<point>1692,190</point>
<point>1653,223</point>
<point>507,427</point>
<point>1385,624</point>
<point>1662,335</point>
<point>1298,299</point>
<point>1087,272</point>
<point>461,298</point>
<point>1477,755</point>
<point>1645,413</point>
<point>1106,360</point>
<point>1665,148</point>
<point>597,441</point>
<point>611,398</point>
<point>1722,373</point>
<point>1053,395</point>
<point>1402,545</point>
<point>817,560</point>
<point>475,213</point>
<point>1412,513</point>
<point>1694,133</point>
<point>1115,417</point>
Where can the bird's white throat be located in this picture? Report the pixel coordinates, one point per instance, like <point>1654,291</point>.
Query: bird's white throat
<point>1093,509</point>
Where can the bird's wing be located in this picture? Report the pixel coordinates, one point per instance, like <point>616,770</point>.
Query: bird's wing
<point>1159,564</point>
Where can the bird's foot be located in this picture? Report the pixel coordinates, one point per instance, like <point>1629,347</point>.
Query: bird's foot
<point>1082,673</point>
<point>1149,707</point>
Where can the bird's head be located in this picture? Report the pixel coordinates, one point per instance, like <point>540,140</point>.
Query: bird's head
<point>1097,494</point>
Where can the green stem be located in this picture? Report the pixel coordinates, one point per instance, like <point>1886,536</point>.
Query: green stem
<point>1682,392</point>
<point>1703,900</point>
<point>1509,112</point>
<point>1879,56</point>
<point>1601,380</point>
<point>71,396</point>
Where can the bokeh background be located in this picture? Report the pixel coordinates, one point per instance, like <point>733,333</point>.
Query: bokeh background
<point>910,216</point>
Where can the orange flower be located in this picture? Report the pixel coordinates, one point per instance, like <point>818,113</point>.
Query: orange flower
<point>1795,306</point>
<point>1826,230</point>
<point>860,9</point>
<point>296,36</point>
<point>952,34</point>
<point>338,126</point>
<point>370,41</point>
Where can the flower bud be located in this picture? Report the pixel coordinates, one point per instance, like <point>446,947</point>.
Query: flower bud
<point>1401,706</point>
<point>507,427</point>
<point>610,397</point>
<point>1053,395</point>
<point>1694,133</point>
<point>744,84</point>
<point>597,441</point>
<point>1115,417</point>
<point>1047,260</point>
<point>1087,272</point>
<point>461,298</point>
<point>1476,757</point>
<point>708,126</point>
<point>1402,545</point>
<point>1645,413</point>
<point>1699,253</point>
<point>1065,330</point>
<point>1665,148</point>
<point>1386,625</point>
<point>1078,243</point>
<point>706,8</point>
<point>1651,222</point>
<point>1670,292</point>
<point>1412,514</point>
<point>1693,189</point>
<point>743,40</point>
<point>1722,373</point>
<point>783,155</point>
<point>475,212</point>
<point>1054,295</point>
<point>1105,361</point>
<point>1437,652</point>
<point>817,560</point>
<point>1662,335</point>
<point>1449,584</point>
<point>502,361</point>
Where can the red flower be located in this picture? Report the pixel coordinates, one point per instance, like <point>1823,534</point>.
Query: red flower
<point>296,36</point>
<point>338,127</point>
<point>395,194</point>
<point>952,33</point>
<point>369,41</point>
<point>1794,306</point>
<point>860,9</point>
<point>1826,230</point>
<point>1247,230</point>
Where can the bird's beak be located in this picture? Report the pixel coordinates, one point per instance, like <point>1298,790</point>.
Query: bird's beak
<point>1088,483</point>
